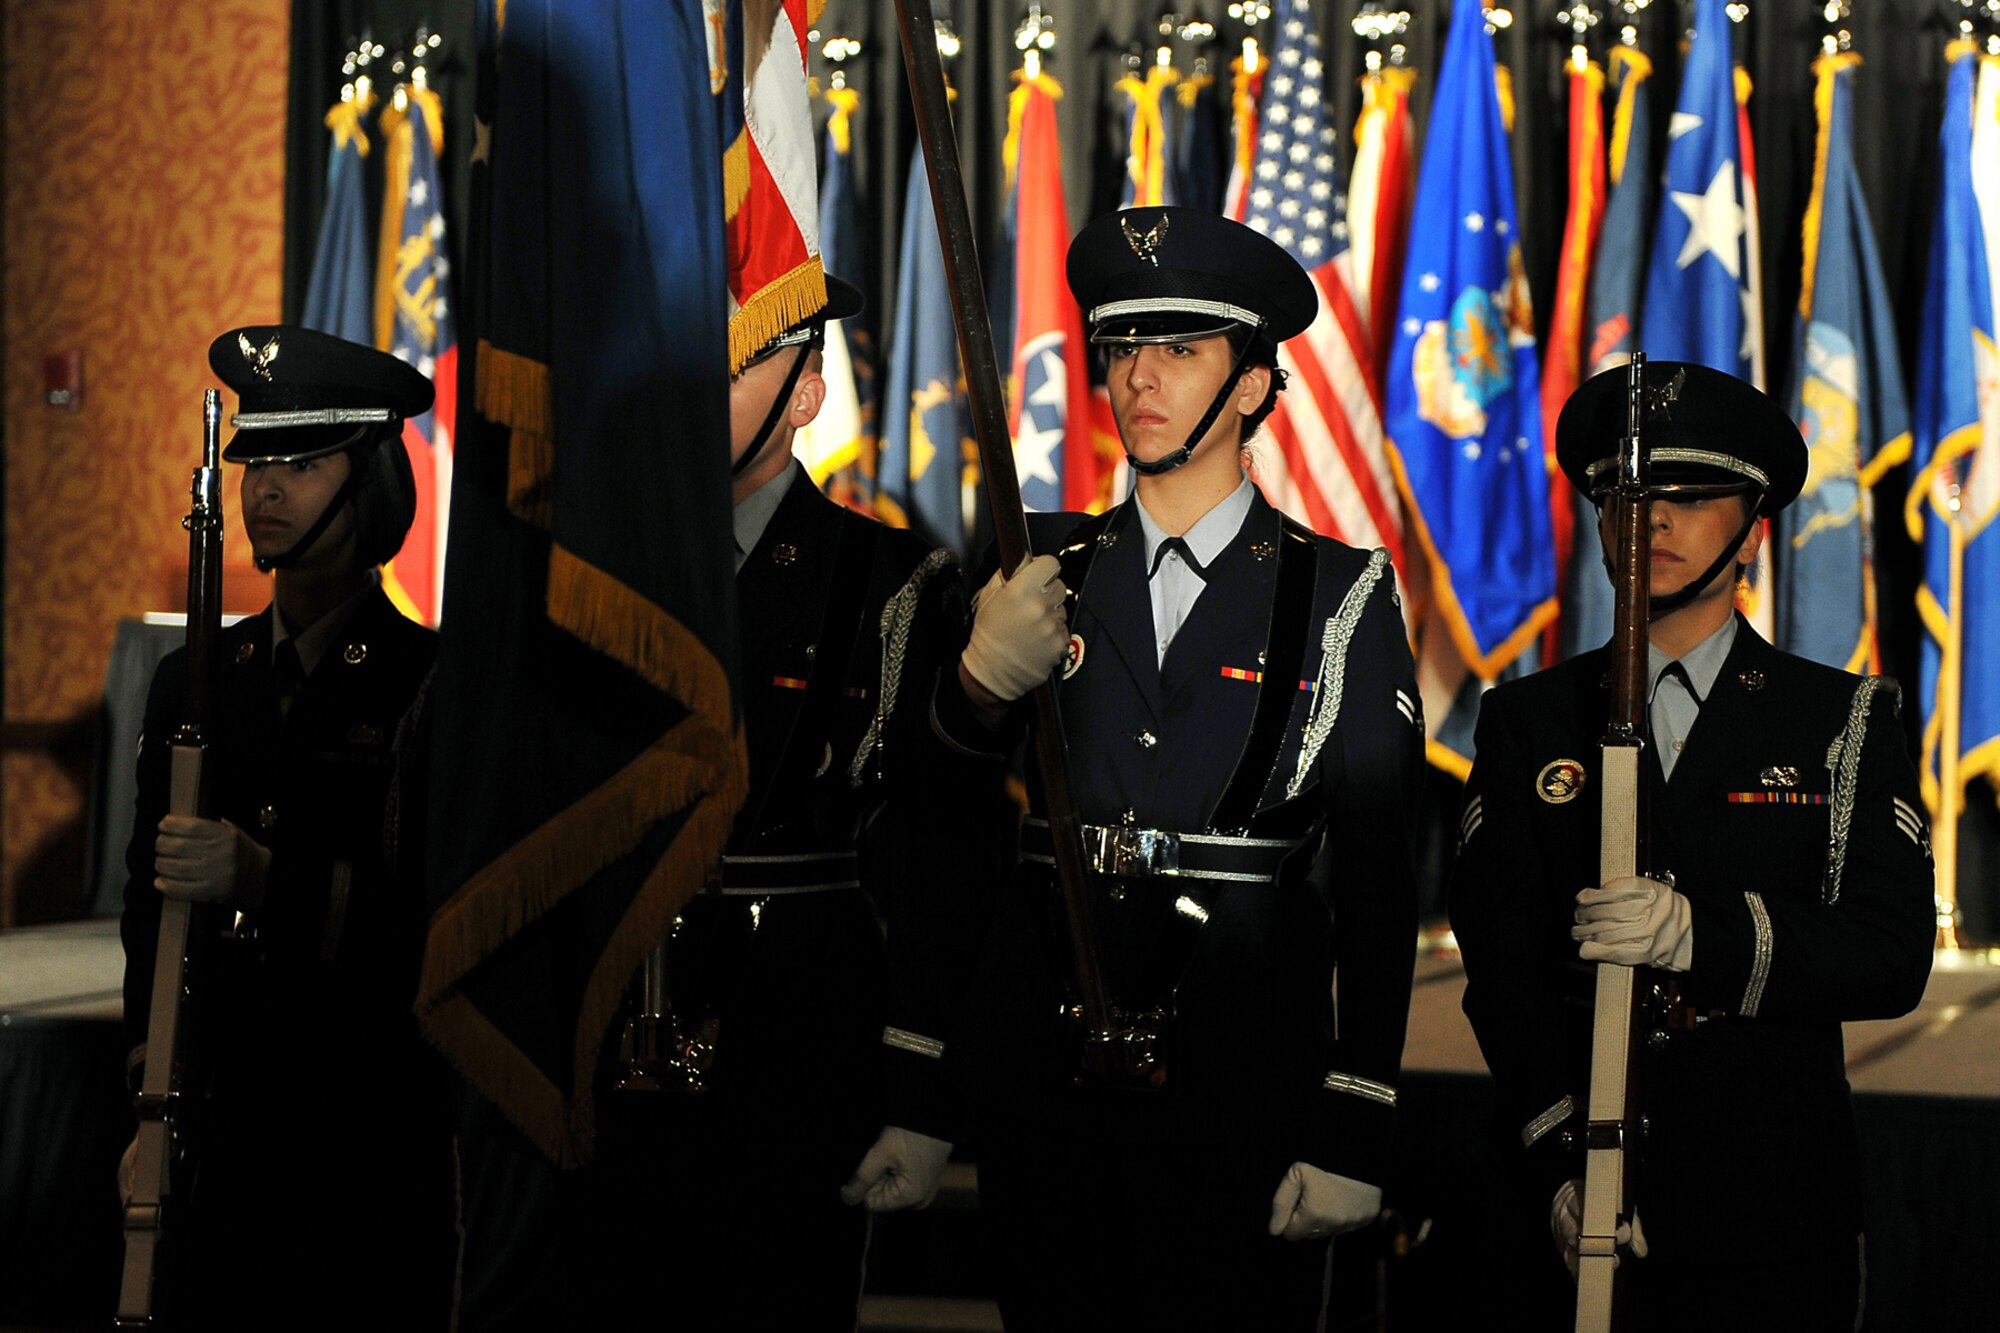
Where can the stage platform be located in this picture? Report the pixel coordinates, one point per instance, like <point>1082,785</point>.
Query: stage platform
<point>1927,1097</point>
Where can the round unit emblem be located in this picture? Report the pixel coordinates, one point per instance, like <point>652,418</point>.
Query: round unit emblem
<point>1559,782</point>
<point>1073,659</point>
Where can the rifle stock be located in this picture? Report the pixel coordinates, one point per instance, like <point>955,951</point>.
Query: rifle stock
<point>1612,1114</point>
<point>1010,523</point>
<point>162,1094</point>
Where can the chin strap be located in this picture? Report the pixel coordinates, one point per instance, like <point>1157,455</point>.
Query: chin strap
<point>355,473</point>
<point>1186,451</point>
<point>1674,601</point>
<point>778,406</point>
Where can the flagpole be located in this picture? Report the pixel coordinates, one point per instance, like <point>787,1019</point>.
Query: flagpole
<point>1951,794</point>
<point>996,457</point>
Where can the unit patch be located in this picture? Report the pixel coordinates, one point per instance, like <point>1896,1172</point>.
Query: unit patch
<point>1560,781</point>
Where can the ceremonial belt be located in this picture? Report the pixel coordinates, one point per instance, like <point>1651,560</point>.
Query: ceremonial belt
<point>1135,853</point>
<point>799,872</point>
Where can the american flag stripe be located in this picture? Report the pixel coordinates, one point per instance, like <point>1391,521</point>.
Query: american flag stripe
<point>1330,468</point>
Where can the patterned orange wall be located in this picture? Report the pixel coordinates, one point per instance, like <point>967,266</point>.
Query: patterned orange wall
<point>144,213</point>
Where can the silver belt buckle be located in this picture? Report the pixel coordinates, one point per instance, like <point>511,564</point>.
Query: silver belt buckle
<point>1134,852</point>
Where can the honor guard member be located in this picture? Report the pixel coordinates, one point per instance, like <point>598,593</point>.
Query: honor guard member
<point>808,988</point>
<point>1790,891</point>
<point>321,1193</point>
<point>1245,747</point>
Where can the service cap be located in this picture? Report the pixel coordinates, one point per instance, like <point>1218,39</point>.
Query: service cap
<point>303,394</point>
<point>1151,275</point>
<point>1710,434</point>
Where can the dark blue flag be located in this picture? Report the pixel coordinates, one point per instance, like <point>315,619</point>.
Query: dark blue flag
<point>340,294</point>
<point>1463,391</point>
<point>1847,396</point>
<point>585,739</point>
<point>928,468</point>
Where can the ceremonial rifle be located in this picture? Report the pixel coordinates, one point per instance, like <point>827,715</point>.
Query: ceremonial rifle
<point>162,1101</point>
<point>1612,1111</point>
<point>1111,1047</point>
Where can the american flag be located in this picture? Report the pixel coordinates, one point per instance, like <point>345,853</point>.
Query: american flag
<point>1329,468</point>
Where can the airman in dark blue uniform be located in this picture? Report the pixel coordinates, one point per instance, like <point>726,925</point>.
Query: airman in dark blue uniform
<point>809,991</point>
<point>322,1189</point>
<point>1245,745</point>
<point>1790,892</point>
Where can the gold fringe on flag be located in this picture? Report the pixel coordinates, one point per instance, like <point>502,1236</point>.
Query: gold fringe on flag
<point>1637,69</point>
<point>1017,107</point>
<point>736,175</point>
<point>1503,88</point>
<point>513,390</point>
<point>689,766</point>
<point>1826,70</point>
<point>773,308</point>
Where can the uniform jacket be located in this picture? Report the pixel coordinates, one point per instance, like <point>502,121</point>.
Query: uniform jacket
<point>1807,867</point>
<point>313,787</point>
<point>320,1084</point>
<point>848,993</point>
<point>1257,1043</point>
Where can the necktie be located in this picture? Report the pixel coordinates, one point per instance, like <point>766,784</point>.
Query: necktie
<point>1179,547</point>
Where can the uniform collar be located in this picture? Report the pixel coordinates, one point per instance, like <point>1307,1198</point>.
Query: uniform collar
<point>312,642</point>
<point>754,514</point>
<point>1703,662</point>
<point>1211,533</point>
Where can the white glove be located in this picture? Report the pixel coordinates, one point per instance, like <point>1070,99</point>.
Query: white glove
<point>1312,1204</point>
<point>1019,632</point>
<point>1634,922</point>
<point>209,861</point>
<point>900,1171</point>
<point>1566,1225</point>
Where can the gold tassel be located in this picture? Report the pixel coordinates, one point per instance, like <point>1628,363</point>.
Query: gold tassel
<point>773,308</point>
<point>1503,88</point>
<point>844,101</point>
<point>623,625</point>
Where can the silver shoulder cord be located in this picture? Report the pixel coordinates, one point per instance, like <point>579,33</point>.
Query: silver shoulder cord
<point>899,613</point>
<point>1843,759</point>
<point>1333,668</point>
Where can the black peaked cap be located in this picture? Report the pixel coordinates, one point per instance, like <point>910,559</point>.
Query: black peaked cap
<point>302,393</point>
<point>1716,432</point>
<point>1178,265</point>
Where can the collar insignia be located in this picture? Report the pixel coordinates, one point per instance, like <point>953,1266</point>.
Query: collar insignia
<point>1146,246</point>
<point>260,359</point>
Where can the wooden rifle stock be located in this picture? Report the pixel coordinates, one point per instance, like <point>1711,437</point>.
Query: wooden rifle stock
<point>996,461</point>
<point>1612,1111</point>
<point>162,1094</point>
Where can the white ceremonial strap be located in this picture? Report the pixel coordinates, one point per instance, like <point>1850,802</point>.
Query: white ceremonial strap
<point>1333,668</point>
<point>913,1042</point>
<point>1360,1087</point>
<point>1843,758</point>
<point>1535,1130</point>
<point>899,613</point>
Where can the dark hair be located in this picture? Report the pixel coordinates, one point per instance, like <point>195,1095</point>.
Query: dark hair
<point>1262,353</point>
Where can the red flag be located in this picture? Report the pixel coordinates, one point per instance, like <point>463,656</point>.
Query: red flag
<point>1562,365</point>
<point>1054,453</point>
<point>770,181</point>
<point>1380,191</point>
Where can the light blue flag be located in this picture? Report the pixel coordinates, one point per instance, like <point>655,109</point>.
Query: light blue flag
<point>922,480</point>
<point>1954,494</point>
<point>1463,387</point>
<point>1848,398</point>
<point>340,294</point>
<point>1699,281</point>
